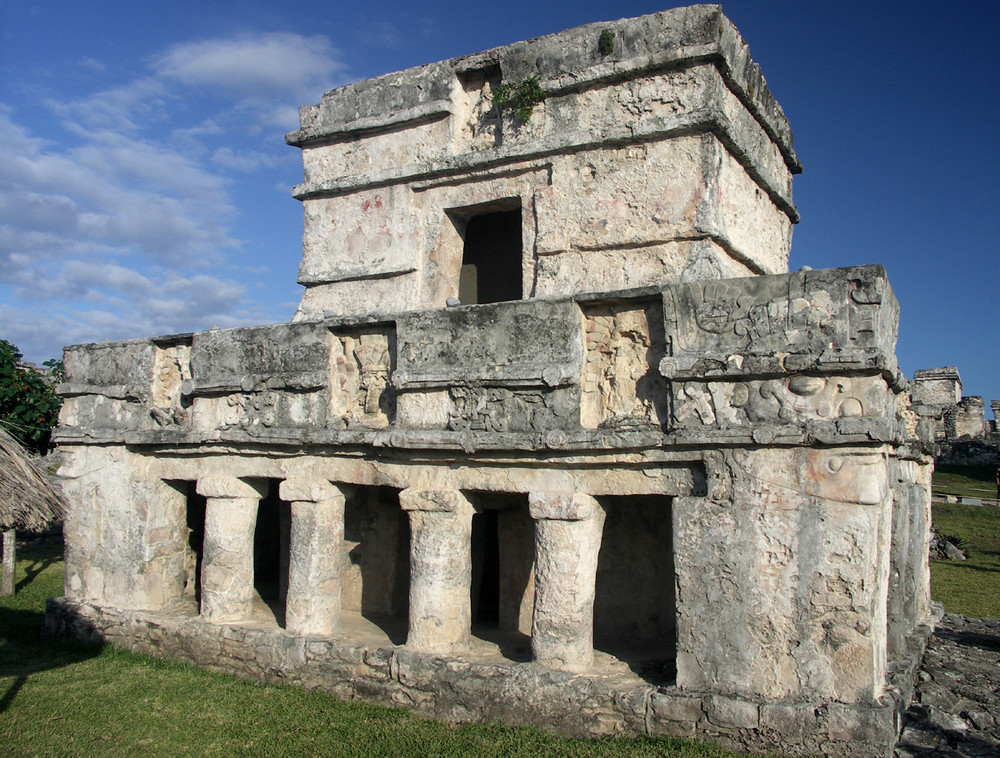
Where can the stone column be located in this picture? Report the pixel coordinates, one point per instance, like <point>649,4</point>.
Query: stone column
<point>568,529</point>
<point>312,605</point>
<point>227,565</point>
<point>440,570</point>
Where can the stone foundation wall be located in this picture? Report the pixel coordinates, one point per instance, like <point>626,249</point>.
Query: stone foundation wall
<point>462,690</point>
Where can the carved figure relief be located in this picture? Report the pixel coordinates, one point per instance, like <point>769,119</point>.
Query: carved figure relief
<point>171,368</point>
<point>793,400</point>
<point>360,365</point>
<point>622,385</point>
<point>478,409</point>
<point>498,409</point>
<point>249,410</point>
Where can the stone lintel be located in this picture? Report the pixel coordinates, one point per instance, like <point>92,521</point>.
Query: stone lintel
<point>562,506</point>
<point>230,487</point>
<point>311,490</point>
<point>448,501</point>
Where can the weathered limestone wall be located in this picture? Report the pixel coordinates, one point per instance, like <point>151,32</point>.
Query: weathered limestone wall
<point>665,159</point>
<point>791,555</point>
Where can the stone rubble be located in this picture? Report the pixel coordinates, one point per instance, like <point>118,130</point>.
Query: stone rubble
<point>956,705</point>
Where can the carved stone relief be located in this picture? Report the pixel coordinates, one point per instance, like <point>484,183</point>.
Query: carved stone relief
<point>498,409</point>
<point>171,369</point>
<point>360,365</point>
<point>793,400</point>
<point>249,410</point>
<point>622,385</point>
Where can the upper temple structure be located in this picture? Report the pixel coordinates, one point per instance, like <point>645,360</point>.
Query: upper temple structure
<point>553,438</point>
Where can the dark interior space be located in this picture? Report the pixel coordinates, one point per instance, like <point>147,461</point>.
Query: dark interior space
<point>491,258</point>
<point>270,551</point>
<point>635,604</point>
<point>502,591</point>
<point>485,569</point>
<point>194,550</point>
<point>376,578</point>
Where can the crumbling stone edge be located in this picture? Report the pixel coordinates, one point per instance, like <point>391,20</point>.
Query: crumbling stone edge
<point>525,694</point>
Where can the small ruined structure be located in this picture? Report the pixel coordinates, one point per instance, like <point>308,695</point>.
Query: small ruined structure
<point>945,414</point>
<point>642,480</point>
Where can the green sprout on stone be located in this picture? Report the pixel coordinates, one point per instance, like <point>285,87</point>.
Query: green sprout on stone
<point>606,42</point>
<point>521,97</point>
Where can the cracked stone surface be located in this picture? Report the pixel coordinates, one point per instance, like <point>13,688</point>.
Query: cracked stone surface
<point>956,705</point>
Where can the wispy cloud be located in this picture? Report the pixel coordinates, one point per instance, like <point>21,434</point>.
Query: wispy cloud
<point>110,232</point>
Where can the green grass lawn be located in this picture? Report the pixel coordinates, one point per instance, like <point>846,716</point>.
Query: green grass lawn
<point>970,587</point>
<point>62,698</point>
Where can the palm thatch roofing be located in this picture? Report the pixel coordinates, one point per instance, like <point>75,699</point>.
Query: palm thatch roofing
<point>28,500</point>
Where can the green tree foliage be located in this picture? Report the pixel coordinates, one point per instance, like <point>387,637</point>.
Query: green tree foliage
<point>29,406</point>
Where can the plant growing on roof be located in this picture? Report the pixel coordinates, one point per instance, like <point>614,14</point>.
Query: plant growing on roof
<point>521,97</point>
<point>606,42</point>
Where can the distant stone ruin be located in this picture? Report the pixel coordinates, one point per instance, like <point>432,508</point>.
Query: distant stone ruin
<point>954,427</point>
<point>553,438</point>
<point>945,413</point>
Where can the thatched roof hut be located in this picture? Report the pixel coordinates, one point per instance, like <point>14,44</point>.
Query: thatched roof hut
<point>28,501</point>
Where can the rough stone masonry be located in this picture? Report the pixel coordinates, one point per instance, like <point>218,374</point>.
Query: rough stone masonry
<point>553,438</point>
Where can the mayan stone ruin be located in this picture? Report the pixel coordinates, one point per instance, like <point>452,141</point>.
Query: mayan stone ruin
<point>554,437</point>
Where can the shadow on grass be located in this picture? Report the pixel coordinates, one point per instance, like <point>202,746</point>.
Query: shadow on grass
<point>23,649</point>
<point>24,652</point>
<point>963,566</point>
<point>36,567</point>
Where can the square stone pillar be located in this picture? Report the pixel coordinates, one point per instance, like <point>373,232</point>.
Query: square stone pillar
<point>227,564</point>
<point>312,605</point>
<point>568,532</point>
<point>440,570</point>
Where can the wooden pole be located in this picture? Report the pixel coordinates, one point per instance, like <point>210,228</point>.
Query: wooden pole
<point>7,581</point>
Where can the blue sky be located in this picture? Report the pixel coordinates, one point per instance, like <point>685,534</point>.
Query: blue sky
<point>145,183</point>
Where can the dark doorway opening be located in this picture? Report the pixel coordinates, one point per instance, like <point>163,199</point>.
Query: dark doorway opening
<point>503,554</point>
<point>635,605</point>
<point>492,258</point>
<point>194,548</point>
<point>376,571</point>
<point>182,571</point>
<point>485,569</point>
<point>270,553</point>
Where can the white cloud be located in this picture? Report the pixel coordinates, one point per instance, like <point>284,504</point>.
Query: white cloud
<point>255,66</point>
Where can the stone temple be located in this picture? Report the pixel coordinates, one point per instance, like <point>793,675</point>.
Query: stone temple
<point>554,438</point>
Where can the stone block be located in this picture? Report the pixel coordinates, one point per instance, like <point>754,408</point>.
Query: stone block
<point>444,501</point>
<point>732,713</point>
<point>789,719</point>
<point>676,708</point>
